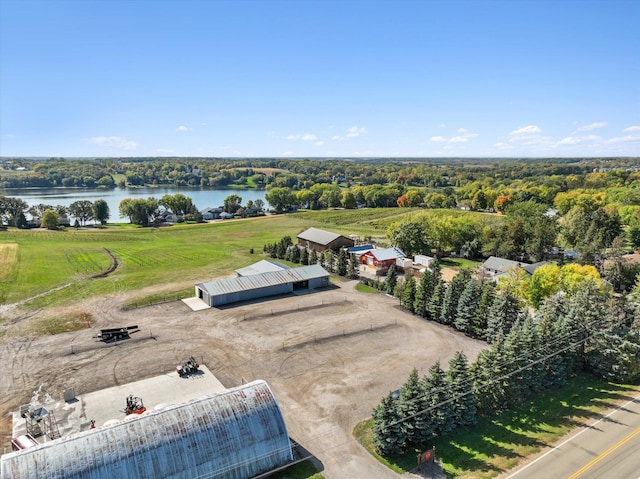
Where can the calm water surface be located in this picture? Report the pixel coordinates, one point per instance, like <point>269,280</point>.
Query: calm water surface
<point>65,196</point>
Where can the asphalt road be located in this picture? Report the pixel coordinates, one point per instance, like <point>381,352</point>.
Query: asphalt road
<point>607,448</point>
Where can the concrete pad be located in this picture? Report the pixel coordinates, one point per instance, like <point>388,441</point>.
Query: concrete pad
<point>108,404</point>
<point>196,304</point>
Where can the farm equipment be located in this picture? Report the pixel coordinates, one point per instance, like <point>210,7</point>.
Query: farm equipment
<point>115,334</point>
<point>188,367</point>
<point>134,406</point>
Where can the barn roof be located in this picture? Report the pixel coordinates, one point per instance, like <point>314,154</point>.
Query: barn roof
<point>318,236</point>
<point>263,280</point>
<point>235,434</point>
<point>386,253</point>
<point>261,267</point>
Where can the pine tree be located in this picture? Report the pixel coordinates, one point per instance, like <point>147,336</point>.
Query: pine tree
<point>313,257</point>
<point>341,263</point>
<point>435,304</point>
<point>549,323</point>
<point>328,260</point>
<point>417,426</point>
<point>388,433</point>
<point>353,271</point>
<point>479,326</point>
<point>424,290</point>
<point>464,402</point>
<point>439,395</point>
<point>451,297</point>
<point>391,280</point>
<point>304,256</point>
<point>408,294</point>
<point>502,315</point>
<point>295,254</point>
<point>488,367</point>
<point>467,307</point>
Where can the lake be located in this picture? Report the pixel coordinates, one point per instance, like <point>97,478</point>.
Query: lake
<point>202,198</point>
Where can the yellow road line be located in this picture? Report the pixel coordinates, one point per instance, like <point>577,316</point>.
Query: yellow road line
<point>603,455</point>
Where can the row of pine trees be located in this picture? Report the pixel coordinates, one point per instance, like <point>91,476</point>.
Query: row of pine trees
<point>341,263</point>
<point>588,331</point>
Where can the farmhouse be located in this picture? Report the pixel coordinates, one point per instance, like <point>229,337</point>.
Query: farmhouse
<point>236,434</point>
<point>494,267</point>
<point>320,240</point>
<point>223,291</point>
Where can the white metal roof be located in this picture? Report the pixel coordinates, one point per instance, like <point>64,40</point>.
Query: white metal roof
<point>500,264</point>
<point>386,254</point>
<point>263,266</point>
<point>235,434</point>
<point>263,280</point>
<point>318,236</point>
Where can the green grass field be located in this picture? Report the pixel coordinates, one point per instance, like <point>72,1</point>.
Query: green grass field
<point>495,445</point>
<point>60,266</point>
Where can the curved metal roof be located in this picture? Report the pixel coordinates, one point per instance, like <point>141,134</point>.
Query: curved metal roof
<point>236,434</point>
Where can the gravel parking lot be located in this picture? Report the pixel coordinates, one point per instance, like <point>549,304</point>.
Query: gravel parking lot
<point>329,357</point>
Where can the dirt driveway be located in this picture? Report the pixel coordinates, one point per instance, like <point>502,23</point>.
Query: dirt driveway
<point>328,356</point>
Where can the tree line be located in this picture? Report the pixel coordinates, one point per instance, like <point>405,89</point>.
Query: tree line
<point>583,329</point>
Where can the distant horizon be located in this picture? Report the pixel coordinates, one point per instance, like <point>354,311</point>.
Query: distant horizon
<point>320,79</point>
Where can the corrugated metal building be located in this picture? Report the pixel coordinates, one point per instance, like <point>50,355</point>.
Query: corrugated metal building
<point>321,240</point>
<point>271,283</point>
<point>236,434</point>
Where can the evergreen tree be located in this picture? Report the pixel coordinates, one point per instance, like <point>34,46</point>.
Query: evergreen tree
<point>502,315</point>
<point>341,263</point>
<point>417,427</point>
<point>439,398</point>
<point>435,303</point>
<point>313,257</point>
<point>281,249</point>
<point>328,260</point>
<point>408,294</point>
<point>452,296</point>
<point>424,290</point>
<point>295,253</point>
<point>461,387</point>
<point>304,256</point>
<point>391,280</point>
<point>489,392</point>
<point>468,307</point>
<point>388,433</point>
<point>550,322</point>
<point>479,326</point>
<point>353,270</point>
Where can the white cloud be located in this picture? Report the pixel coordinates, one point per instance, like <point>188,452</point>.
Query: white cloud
<point>574,140</point>
<point>593,126</point>
<point>305,137</point>
<point>318,143</point>
<point>182,128</point>
<point>442,125</point>
<point>463,138</point>
<point>624,139</point>
<point>288,153</point>
<point>353,132</point>
<point>113,142</point>
<point>526,130</point>
<point>631,129</point>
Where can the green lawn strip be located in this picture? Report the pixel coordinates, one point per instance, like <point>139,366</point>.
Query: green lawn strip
<point>498,444</point>
<point>459,263</point>
<point>363,288</point>
<point>302,470</point>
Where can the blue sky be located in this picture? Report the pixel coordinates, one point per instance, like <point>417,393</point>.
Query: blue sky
<point>320,78</point>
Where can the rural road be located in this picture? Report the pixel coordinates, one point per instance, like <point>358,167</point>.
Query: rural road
<point>607,448</point>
